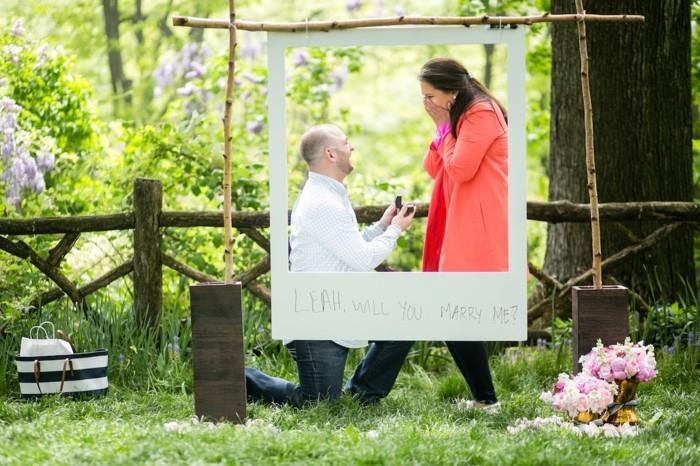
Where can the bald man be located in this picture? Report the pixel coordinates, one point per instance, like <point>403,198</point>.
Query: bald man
<point>325,237</point>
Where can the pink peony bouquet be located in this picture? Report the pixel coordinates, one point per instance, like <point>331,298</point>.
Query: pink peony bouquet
<point>621,361</point>
<point>583,393</point>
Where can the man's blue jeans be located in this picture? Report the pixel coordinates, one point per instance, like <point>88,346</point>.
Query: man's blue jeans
<point>321,365</point>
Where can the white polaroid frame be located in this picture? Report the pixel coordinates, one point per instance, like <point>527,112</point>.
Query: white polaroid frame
<point>399,305</point>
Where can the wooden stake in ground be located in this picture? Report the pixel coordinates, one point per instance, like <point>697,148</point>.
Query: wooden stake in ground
<point>228,236</point>
<point>590,155</point>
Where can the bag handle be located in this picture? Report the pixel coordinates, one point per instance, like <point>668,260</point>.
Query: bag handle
<point>66,363</point>
<point>37,374</point>
<point>41,327</point>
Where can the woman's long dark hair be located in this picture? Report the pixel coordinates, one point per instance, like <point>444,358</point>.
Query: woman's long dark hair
<point>449,75</point>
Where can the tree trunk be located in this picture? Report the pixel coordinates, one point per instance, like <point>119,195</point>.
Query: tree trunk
<point>640,86</point>
<point>120,84</point>
<point>139,22</point>
<point>488,64</point>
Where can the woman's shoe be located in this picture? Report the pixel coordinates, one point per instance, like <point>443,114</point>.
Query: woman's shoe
<point>487,407</point>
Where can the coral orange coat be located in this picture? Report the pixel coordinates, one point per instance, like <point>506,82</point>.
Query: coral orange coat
<point>472,174</point>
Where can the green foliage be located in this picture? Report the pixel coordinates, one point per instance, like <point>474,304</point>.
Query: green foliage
<point>51,96</point>
<point>55,117</point>
<point>501,7</point>
<point>452,386</point>
<point>312,83</point>
<point>695,65</point>
<point>669,325</point>
<point>695,88</point>
<point>138,359</point>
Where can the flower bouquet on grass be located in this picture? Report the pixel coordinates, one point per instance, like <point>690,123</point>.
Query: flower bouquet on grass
<point>627,365</point>
<point>606,389</point>
<point>584,397</point>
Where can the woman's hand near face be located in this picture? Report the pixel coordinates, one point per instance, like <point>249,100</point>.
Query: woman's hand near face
<point>438,114</point>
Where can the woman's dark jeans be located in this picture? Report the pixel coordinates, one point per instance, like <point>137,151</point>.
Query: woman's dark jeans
<point>473,362</point>
<point>376,374</point>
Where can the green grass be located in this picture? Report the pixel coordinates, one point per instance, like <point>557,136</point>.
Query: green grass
<point>418,423</point>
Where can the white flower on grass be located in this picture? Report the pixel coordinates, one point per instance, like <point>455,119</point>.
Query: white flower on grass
<point>610,430</point>
<point>258,424</point>
<point>465,404</point>
<point>372,435</point>
<point>537,423</point>
<point>174,426</point>
<point>590,429</point>
<point>627,430</point>
<point>200,422</point>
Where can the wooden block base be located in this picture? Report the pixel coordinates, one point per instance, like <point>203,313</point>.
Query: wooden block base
<point>597,313</point>
<point>217,351</point>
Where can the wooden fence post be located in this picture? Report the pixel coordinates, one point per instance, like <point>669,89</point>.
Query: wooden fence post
<point>148,280</point>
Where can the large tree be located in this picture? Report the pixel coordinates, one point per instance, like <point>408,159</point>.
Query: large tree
<point>640,86</point>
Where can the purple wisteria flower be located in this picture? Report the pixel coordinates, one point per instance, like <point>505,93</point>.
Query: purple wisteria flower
<point>339,76</point>
<point>13,51</point>
<point>254,127</point>
<point>21,170</point>
<point>378,7</point>
<point>250,49</point>
<point>300,58</point>
<point>17,29</point>
<point>43,56</point>
<point>164,76</point>
<point>353,5</point>
<point>45,160</point>
<point>253,78</point>
<point>187,90</point>
<point>188,64</point>
<point>197,70</point>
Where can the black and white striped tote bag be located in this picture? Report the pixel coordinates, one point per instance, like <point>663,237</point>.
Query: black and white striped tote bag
<point>75,375</point>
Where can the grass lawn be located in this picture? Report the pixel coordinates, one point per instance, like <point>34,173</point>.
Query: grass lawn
<point>419,423</point>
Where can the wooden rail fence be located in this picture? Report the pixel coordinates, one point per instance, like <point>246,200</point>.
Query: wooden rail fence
<point>147,219</point>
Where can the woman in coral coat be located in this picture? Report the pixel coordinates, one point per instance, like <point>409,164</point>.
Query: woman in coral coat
<point>468,217</point>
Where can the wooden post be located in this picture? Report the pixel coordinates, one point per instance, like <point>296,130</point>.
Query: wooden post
<point>590,152</point>
<point>228,108</point>
<point>598,312</point>
<point>217,308</point>
<point>217,351</point>
<point>148,281</point>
